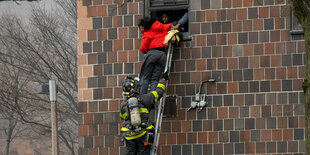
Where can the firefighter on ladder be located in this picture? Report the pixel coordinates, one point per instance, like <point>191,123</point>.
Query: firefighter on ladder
<point>138,130</point>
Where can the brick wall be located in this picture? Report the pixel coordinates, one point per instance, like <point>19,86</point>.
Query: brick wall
<point>255,106</point>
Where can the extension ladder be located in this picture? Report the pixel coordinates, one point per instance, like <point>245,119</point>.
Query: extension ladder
<point>161,105</point>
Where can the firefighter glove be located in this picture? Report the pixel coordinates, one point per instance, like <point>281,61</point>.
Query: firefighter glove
<point>165,76</point>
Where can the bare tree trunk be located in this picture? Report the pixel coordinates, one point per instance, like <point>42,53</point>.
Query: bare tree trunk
<point>302,12</point>
<point>306,87</point>
<point>9,133</point>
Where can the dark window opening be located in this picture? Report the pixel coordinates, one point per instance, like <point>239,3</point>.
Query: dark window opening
<point>170,109</point>
<point>296,31</point>
<point>174,16</point>
<point>175,9</point>
<point>296,28</point>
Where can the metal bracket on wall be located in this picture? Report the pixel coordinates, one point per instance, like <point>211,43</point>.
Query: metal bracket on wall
<point>200,102</point>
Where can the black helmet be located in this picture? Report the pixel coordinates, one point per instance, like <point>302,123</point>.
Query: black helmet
<point>130,87</point>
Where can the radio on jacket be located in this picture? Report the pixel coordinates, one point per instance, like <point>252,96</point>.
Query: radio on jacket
<point>135,117</point>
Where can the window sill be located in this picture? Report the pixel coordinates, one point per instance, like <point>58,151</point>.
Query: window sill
<point>186,36</point>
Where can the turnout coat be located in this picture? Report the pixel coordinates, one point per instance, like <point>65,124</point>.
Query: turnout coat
<point>146,104</point>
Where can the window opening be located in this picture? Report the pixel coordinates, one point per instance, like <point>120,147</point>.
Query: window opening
<point>174,8</point>
<point>174,16</point>
<point>296,27</point>
<point>170,110</point>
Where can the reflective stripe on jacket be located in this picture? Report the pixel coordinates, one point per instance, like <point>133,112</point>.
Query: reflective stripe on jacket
<point>130,135</point>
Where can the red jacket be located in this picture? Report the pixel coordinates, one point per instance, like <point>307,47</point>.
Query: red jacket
<point>154,37</point>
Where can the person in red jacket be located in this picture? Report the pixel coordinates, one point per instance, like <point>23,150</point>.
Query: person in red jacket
<point>153,47</point>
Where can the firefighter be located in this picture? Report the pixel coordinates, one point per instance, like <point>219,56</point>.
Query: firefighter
<point>138,130</point>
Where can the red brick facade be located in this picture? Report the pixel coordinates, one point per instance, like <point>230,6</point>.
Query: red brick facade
<point>255,105</point>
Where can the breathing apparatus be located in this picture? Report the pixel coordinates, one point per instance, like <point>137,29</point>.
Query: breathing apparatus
<point>135,117</point>
<point>130,90</point>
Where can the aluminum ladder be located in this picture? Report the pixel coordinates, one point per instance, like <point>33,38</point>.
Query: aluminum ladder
<point>161,105</point>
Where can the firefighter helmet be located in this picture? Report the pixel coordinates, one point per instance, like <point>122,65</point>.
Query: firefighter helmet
<point>130,87</point>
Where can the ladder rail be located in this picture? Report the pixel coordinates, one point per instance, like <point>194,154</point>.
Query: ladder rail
<point>169,57</point>
<point>162,102</point>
